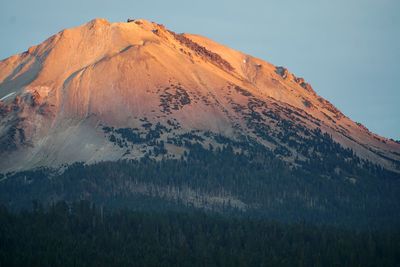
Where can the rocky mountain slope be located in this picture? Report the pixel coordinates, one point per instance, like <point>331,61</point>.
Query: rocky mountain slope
<point>109,91</point>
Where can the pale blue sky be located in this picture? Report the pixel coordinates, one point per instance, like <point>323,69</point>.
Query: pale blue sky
<point>349,50</point>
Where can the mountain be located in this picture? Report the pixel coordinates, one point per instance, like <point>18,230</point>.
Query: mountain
<point>137,92</point>
<point>58,97</point>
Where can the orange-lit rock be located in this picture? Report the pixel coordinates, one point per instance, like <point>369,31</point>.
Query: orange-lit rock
<point>116,74</point>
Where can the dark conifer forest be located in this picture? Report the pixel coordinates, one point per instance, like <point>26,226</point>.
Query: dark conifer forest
<point>83,234</point>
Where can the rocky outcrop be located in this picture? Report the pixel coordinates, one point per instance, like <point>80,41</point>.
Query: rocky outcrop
<point>281,71</point>
<point>202,51</point>
<point>302,83</point>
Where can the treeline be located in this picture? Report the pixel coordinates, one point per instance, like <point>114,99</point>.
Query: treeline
<point>81,234</point>
<point>266,186</point>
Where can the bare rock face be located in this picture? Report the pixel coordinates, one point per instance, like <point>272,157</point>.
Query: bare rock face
<point>110,91</point>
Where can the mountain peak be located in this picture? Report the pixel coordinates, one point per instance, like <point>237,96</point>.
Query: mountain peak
<point>99,21</point>
<point>140,21</point>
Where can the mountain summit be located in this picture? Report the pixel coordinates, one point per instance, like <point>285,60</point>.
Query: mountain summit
<point>110,91</point>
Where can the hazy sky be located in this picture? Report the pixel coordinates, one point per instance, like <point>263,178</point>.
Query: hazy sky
<point>349,50</point>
